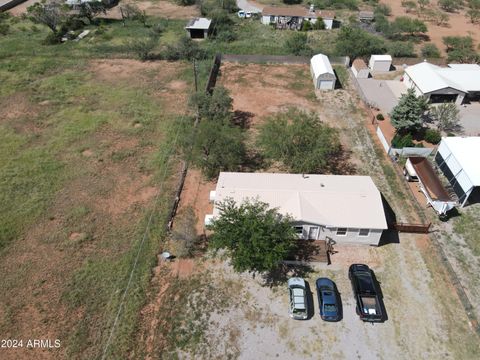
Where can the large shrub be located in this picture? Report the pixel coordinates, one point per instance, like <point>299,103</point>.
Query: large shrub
<point>432,136</point>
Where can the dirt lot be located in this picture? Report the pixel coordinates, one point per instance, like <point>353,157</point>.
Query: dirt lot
<point>164,8</point>
<point>239,316</point>
<point>458,25</point>
<point>96,216</point>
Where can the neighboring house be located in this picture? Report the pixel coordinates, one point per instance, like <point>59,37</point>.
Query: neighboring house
<point>366,16</point>
<point>455,83</point>
<point>293,17</point>
<point>380,63</point>
<point>8,4</point>
<point>198,28</point>
<point>322,72</point>
<point>360,69</point>
<point>347,209</point>
<point>458,158</point>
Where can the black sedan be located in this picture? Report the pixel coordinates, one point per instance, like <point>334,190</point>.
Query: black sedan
<point>329,301</point>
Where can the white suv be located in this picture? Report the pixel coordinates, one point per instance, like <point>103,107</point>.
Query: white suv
<point>297,290</point>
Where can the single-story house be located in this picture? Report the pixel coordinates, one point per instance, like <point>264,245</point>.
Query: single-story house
<point>344,208</point>
<point>322,72</point>
<point>454,83</point>
<point>198,28</point>
<point>292,17</point>
<point>360,69</point>
<point>380,63</point>
<point>458,158</point>
<point>366,16</point>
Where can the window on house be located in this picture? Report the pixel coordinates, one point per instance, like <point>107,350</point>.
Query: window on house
<point>363,232</point>
<point>298,230</point>
<point>342,231</point>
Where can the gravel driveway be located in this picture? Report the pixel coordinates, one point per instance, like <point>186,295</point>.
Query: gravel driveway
<point>247,6</point>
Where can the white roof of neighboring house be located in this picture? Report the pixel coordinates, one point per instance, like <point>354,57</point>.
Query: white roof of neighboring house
<point>466,75</point>
<point>429,77</point>
<point>381,58</point>
<point>199,23</point>
<point>466,150</point>
<point>330,200</point>
<point>321,65</point>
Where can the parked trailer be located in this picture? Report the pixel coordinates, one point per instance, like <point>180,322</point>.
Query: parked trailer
<point>419,169</point>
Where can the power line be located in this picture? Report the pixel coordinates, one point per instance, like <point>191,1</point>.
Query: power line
<point>145,234</point>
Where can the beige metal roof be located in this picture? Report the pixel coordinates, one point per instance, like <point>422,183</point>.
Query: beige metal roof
<point>359,64</point>
<point>329,200</point>
<point>288,11</point>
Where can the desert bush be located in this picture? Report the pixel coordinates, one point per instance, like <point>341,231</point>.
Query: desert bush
<point>430,51</point>
<point>380,117</point>
<point>401,141</point>
<point>432,136</point>
<point>401,49</point>
<point>142,48</point>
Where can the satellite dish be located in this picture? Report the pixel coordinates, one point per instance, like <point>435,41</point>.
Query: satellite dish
<point>166,255</point>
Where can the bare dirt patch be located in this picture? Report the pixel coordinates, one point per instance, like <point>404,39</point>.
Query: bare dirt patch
<point>266,89</point>
<point>458,25</point>
<point>160,8</point>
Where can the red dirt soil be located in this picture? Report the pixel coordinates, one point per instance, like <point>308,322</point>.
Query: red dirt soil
<point>459,24</point>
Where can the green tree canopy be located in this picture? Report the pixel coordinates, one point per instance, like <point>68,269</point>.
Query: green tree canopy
<point>460,49</point>
<point>300,141</point>
<point>356,42</point>
<point>406,25</point>
<point>217,107</point>
<point>256,237</point>
<point>218,147</point>
<point>408,114</point>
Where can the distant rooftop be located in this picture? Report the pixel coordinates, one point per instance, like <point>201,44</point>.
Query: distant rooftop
<point>199,23</point>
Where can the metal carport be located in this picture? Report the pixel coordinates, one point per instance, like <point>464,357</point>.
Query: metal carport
<point>458,158</point>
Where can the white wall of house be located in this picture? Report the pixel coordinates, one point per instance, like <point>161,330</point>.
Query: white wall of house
<point>379,65</point>
<point>360,74</point>
<point>266,19</point>
<point>349,236</point>
<point>409,83</point>
<point>328,23</point>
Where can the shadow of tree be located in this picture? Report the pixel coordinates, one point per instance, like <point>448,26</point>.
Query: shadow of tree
<point>339,163</point>
<point>242,119</point>
<point>280,275</point>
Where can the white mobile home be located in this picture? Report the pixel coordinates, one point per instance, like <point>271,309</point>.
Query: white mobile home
<point>380,63</point>
<point>347,209</point>
<point>322,72</point>
<point>444,84</point>
<point>457,157</point>
<point>292,17</point>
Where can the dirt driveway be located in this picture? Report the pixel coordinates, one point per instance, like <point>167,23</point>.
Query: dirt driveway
<point>239,316</point>
<point>413,283</point>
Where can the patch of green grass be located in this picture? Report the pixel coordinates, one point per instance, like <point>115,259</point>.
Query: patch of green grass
<point>468,226</point>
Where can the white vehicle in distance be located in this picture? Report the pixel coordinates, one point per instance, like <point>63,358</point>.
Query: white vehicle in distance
<point>298,308</point>
<point>244,14</point>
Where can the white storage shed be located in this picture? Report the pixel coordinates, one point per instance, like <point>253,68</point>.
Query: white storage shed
<point>322,72</point>
<point>380,63</point>
<point>360,69</point>
<point>457,157</point>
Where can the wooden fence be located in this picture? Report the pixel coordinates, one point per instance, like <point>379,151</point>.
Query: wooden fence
<point>212,78</point>
<point>411,228</point>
